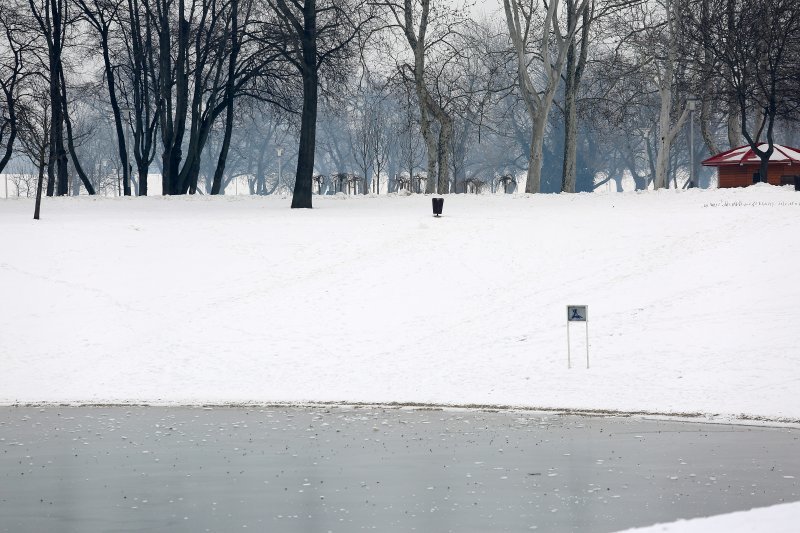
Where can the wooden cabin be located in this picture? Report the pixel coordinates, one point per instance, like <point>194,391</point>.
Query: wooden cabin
<point>739,167</point>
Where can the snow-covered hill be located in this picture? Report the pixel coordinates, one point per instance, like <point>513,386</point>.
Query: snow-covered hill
<point>693,301</point>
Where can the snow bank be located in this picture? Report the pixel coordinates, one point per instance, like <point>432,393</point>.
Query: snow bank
<point>693,301</point>
<point>776,519</point>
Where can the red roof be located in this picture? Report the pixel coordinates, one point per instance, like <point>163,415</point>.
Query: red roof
<point>744,155</point>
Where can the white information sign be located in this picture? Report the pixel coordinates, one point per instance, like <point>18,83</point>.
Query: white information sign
<point>577,313</point>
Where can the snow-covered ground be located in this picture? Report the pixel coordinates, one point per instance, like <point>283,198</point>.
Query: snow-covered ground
<point>782,518</point>
<point>693,301</point>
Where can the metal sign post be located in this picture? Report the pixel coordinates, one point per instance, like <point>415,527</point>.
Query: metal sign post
<point>577,313</point>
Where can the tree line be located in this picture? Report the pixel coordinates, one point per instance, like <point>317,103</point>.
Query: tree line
<point>574,94</point>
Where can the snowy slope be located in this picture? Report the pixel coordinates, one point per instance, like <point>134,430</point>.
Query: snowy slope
<point>782,518</point>
<point>693,301</point>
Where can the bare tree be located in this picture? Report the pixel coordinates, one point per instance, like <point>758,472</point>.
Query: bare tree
<point>312,35</point>
<point>49,20</point>
<point>104,17</point>
<point>527,31</point>
<point>427,27</point>
<point>752,47</point>
<point>219,55</point>
<point>34,128</point>
<point>380,144</point>
<point>670,106</point>
<point>409,148</point>
<point>577,54</point>
<point>14,49</point>
<point>139,86</point>
<point>473,81</point>
<point>362,130</point>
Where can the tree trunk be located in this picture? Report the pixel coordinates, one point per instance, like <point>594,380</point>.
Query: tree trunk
<point>112,96</point>
<point>70,140</point>
<point>705,127</point>
<point>145,117</point>
<point>443,154</point>
<point>172,127</point>
<point>430,149</point>
<point>426,130</point>
<point>459,157</point>
<point>424,99</point>
<point>12,134</point>
<point>223,153</point>
<point>576,61</point>
<point>165,94</point>
<point>734,126</point>
<point>303,183</point>
<point>182,102</point>
<point>142,169</point>
<point>38,205</point>
<point>538,106</point>
<point>667,132</point>
<point>569,171</point>
<point>534,180</point>
<point>58,176</point>
<point>75,162</point>
<point>664,140</point>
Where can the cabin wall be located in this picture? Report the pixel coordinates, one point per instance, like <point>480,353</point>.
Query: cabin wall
<point>742,175</point>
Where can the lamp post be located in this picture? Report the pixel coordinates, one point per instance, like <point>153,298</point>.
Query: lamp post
<point>126,135</point>
<point>691,104</point>
<point>280,170</point>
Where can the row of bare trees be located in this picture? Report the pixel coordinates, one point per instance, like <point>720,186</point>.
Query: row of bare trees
<point>571,93</point>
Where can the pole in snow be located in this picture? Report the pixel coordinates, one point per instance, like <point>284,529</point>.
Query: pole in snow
<point>577,313</point>
<point>691,105</point>
<point>280,170</point>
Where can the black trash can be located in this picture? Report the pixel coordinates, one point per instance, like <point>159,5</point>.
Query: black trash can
<point>797,183</point>
<point>438,204</point>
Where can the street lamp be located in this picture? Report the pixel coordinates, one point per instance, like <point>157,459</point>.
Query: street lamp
<point>279,149</point>
<point>691,105</point>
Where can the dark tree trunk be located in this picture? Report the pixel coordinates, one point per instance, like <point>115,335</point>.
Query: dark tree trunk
<point>38,205</point>
<point>165,93</point>
<point>145,118</point>
<point>188,176</point>
<point>753,139</point>
<point>576,62</point>
<point>182,102</point>
<point>172,127</point>
<point>192,175</point>
<point>305,158</point>
<point>142,169</point>
<point>9,88</point>
<point>12,133</point>
<point>229,94</point>
<point>223,153</point>
<point>308,121</point>
<point>112,95</point>
<point>75,162</point>
<point>57,173</point>
<point>70,141</point>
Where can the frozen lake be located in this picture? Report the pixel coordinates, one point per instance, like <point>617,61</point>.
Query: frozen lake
<point>125,469</point>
